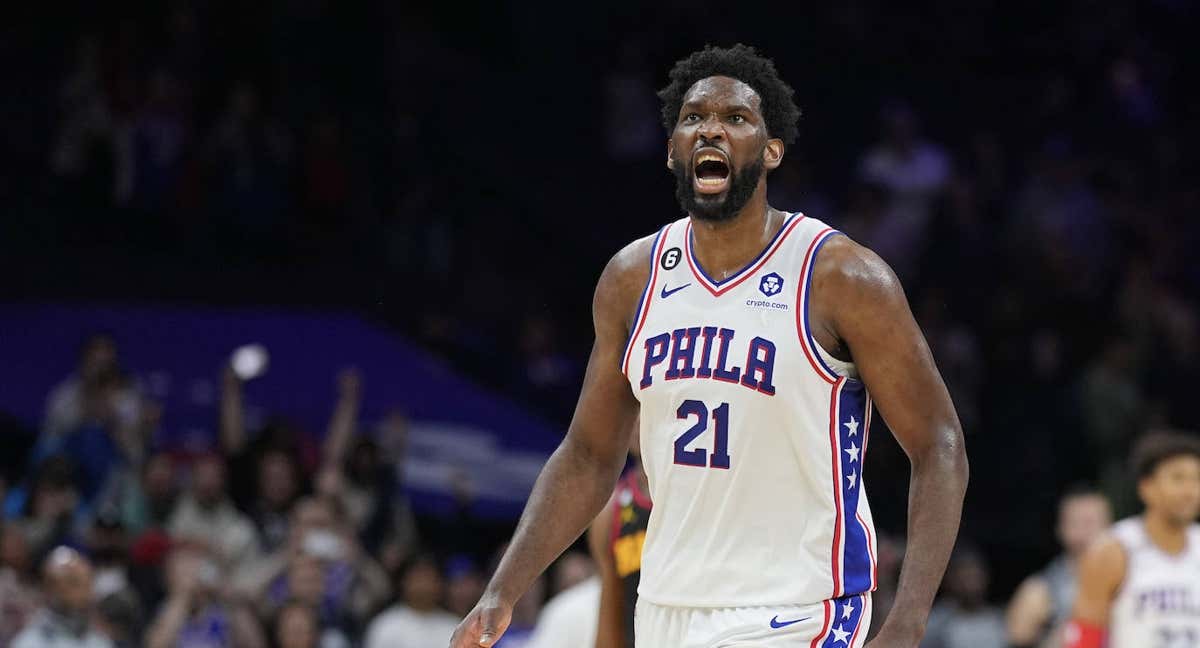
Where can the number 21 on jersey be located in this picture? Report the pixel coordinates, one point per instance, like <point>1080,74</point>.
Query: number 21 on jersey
<point>700,457</point>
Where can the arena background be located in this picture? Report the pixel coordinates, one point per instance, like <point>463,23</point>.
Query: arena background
<point>428,193</point>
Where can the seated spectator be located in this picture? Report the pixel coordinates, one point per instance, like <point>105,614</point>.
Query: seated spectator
<point>206,516</point>
<point>417,620</point>
<point>1043,602</point>
<point>963,617</point>
<point>196,614</point>
<point>65,621</point>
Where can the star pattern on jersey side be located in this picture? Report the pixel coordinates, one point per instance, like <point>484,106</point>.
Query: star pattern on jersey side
<point>847,610</point>
<point>839,635</point>
<point>852,451</point>
<point>852,478</point>
<point>852,426</point>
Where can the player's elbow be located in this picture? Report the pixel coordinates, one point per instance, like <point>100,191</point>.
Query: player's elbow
<point>945,457</point>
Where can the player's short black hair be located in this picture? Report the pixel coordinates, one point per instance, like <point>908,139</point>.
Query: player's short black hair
<point>743,63</point>
<point>1154,448</point>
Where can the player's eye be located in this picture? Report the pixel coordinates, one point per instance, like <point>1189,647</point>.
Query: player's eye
<point>691,117</point>
<point>737,119</point>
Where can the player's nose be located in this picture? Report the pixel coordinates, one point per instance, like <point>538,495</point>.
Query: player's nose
<point>711,128</point>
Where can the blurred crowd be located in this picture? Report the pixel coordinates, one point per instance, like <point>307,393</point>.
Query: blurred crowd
<point>1026,171</point>
<point>274,537</point>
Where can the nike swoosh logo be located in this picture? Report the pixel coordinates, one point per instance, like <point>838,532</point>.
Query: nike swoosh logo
<point>667,293</point>
<point>776,623</point>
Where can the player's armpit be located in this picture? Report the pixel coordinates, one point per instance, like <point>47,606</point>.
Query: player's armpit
<point>1100,573</point>
<point>610,629</point>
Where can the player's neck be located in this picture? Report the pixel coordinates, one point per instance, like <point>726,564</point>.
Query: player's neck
<point>1165,534</point>
<point>722,248</point>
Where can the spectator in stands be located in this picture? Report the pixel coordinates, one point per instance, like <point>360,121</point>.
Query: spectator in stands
<point>278,488</point>
<point>1043,602</point>
<point>464,585</point>
<point>196,614</point>
<point>268,467</point>
<point>570,618</point>
<point>915,172</point>
<point>67,404</point>
<point>108,546</point>
<point>65,621</point>
<point>963,617</point>
<point>119,617</point>
<point>322,565</point>
<point>205,515</point>
<point>298,625</point>
<point>49,513</point>
<point>417,620</point>
<point>19,594</point>
<point>363,476</point>
<point>147,503</point>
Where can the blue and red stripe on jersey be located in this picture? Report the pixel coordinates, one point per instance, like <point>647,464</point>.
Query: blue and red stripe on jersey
<point>853,562</point>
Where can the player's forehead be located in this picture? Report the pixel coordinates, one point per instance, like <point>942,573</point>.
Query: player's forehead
<point>721,93</point>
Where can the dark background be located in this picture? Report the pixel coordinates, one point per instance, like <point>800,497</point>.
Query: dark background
<point>461,173</point>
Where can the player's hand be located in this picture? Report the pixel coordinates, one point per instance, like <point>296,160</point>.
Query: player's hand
<point>483,626</point>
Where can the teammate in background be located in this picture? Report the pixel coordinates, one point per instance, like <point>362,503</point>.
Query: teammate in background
<point>1139,587</point>
<point>616,539</point>
<point>753,345</point>
<point>1042,605</point>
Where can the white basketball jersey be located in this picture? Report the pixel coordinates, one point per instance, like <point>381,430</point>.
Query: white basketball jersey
<point>1158,605</point>
<point>752,436</point>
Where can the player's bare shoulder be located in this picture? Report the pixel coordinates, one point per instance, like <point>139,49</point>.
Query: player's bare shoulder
<point>851,270</point>
<point>621,284</point>
<point>852,286</point>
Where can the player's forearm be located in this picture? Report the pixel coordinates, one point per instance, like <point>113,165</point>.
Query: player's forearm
<point>939,481</point>
<point>573,487</point>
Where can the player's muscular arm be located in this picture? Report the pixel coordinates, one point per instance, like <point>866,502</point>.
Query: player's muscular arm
<point>1101,571</point>
<point>580,475</point>
<point>859,305</point>
<point>610,630</point>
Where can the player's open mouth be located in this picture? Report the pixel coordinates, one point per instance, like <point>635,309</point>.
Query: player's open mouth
<point>711,169</point>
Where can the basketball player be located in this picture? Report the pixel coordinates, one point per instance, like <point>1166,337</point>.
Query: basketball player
<point>616,539</point>
<point>755,345</point>
<point>1140,585</point>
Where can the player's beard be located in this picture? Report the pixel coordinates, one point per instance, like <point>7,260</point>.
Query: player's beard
<point>720,207</point>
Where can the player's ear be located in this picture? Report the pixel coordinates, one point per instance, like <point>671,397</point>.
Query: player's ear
<point>773,154</point>
<point>670,154</point>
